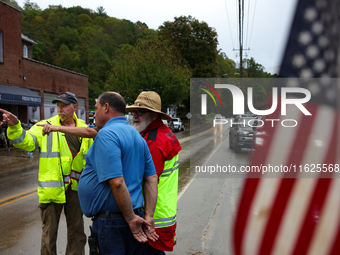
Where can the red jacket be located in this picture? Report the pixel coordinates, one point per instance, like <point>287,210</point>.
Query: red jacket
<point>164,146</point>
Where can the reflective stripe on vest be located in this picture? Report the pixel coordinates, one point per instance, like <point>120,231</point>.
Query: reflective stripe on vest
<point>21,138</point>
<point>84,156</point>
<point>35,140</point>
<point>51,184</point>
<point>49,153</point>
<point>167,172</point>
<point>172,221</point>
<point>75,175</point>
<point>66,179</point>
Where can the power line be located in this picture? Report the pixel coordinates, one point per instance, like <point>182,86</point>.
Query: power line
<point>251,33</point>
<point>242,21</point>
<point>232,41</point>
<point>237,22</point>
<point>248,23</point>
<point>240,35</point>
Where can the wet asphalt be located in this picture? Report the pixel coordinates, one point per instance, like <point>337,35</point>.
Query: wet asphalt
<point>206,204</point>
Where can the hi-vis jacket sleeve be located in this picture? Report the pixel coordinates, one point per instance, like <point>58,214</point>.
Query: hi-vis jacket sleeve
<point>26,140</point>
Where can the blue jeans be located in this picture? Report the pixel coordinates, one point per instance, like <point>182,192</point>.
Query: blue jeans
<point>114,236</point>
<point>149,250</point>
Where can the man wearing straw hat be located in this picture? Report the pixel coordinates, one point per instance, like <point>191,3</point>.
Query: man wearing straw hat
<point>164,148</point>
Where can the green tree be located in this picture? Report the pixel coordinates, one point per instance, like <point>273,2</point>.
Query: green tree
<point>99,21</point>
<point>255,70</point>
<point>226,66</point>
<point>84,20</point>
<point>31,6</point>
<point>101,12</point>
<point>68,20</point>
<point>147,34</point>
<point>121,31</point>
<point>66,58</point>
<point>53,22</point>
<point>151,65</point>
<point>33,25</point>
<point>141,26</point>
<point>98,69</point>
<point>128,56</point>
<point>12,3</point>
<point>94,36</point>
<point>196,41</point>
<point>66,36</point>
<point>77,10</point>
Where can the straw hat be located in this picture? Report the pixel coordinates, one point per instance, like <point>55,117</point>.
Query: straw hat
<point>148,100</point>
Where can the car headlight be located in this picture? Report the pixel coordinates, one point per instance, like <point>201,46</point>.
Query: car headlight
<point>243,132</point>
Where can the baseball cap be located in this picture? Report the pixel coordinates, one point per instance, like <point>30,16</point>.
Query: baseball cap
<point>66,98</point>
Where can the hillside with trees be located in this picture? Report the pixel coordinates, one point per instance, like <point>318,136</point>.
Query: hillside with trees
<point>126,56</point>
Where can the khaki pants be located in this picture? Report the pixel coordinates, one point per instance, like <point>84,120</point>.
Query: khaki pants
<point>50,216</point>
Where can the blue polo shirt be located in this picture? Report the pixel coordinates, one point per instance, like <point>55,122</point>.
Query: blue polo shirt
<point>117,151</point>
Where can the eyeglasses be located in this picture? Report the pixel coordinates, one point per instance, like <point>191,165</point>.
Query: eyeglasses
<point>139,113</point>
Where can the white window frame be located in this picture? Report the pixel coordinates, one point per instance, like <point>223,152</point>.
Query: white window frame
<point>25,51</point>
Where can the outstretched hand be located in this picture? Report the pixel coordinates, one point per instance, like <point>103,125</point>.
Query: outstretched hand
<point>136,228</point>
<point>9,118</point>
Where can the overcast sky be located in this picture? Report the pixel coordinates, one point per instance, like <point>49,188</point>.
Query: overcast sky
<point>265,27</point>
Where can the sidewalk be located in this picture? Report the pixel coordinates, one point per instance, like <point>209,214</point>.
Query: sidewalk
<point>13,159</point>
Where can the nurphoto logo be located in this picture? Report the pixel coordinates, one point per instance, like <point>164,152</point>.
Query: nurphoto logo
<point>238,104</point>
<point>238,100</point>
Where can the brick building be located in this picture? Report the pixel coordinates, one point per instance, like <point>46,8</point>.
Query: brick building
<point>27,86</point>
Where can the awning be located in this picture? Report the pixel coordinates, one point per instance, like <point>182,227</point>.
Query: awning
<point>19,96</point>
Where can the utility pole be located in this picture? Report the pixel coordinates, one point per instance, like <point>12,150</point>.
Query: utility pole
<point>240,35</point>
<point>241,64</point>
<point>240,52</point>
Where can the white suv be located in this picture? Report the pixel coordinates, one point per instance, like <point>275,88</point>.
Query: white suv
<point>178,124</point>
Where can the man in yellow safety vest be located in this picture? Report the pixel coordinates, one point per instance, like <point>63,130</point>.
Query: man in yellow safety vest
<point>62,159</point>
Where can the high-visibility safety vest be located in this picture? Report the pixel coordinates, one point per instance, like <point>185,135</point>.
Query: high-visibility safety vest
<point>57,168</point>
<point>165,212</point>
<point>164,148</point>
<point>166,207</point>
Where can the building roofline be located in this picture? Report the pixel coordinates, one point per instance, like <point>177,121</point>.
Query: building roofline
<point>56,67</point>
<point>27,39</point>
<point>10,6</point>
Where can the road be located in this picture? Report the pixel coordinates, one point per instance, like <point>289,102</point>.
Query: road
<point>205,201</point>
<point>208,203</point>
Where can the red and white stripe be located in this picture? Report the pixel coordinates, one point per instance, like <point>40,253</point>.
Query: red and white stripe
<point>293,213</point>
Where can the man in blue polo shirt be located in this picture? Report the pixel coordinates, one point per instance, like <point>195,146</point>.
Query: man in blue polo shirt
<point>110,187</point>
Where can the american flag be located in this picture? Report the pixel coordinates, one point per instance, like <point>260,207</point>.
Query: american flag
<point>299,213</point>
